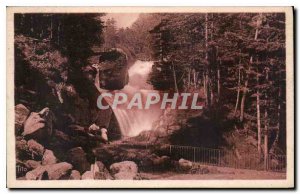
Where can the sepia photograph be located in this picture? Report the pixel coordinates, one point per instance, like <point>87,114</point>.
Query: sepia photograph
<point>136,97</point>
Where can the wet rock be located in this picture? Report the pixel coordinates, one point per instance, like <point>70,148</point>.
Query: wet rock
<point>33,124</point>
<point>36,148</point>
<point>184,165</point>
<point>77,157</point>
<point>114,63</point>
<point>76,130</point>
<point>111,153</point>
<point>22,150</point>
<point>21,114</point>
<point>59,170</point>
<point>125,170</point>
<point>60,143</point>
<point>155,163</point>
<point>146,164</point>
<point>32,164</point>
<point>87,175</point>
<point>39,173</point>
<point>161,132</point>
<point>48,158</point>
<point>62,137</point>
<point>100,171</point>
<point>75,175</point>
<point>163,162</point>
<point>38,126</point>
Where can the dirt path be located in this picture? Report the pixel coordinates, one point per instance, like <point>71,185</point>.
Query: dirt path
<point>221,173</point>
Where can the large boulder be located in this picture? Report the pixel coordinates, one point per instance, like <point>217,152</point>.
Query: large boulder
<point>49,158</point>
<point>39,173</point>
<point>184,165</point>
<point>59,171</point>
<point>22,150</point>
<point>88,175</point>
<point>35,148</point>
<point>162,163</point>
<point>100,171</point>
<point>126,170</point>
<point>113,69</point>
<point>30,150</point>
<point>75,175</point>
<point>50,172</point>
<point>77,157</point>
<point>155,163</point>
<point>39,126</point>
<point>21,114</point>
<point>32,164</point>
<point>60,143</point>
<point>62,139</point>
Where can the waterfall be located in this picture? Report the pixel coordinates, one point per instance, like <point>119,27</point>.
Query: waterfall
<point>134,121</point>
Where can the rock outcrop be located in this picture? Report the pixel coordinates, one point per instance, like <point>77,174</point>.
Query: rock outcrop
<point>113,69</point>
<point>32,164</point>
<point>21,114</point>
<point>59,170</point>
<point>39,126</point>
<point>50,172</point>
<point>35,147</point>
<point>126,170</point>
<point>184,165</point>
<point>77,157</point>
<point>75,175</point>
<point>155,163</point>
<point>100,171</point>
<point>49,158</point>
<point>48,101</point>
<point>39,173</point>
<point>88,175</point>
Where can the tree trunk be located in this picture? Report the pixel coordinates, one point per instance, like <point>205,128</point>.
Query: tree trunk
<point>244,97</point>
<point>245,89</point>
<point>51,28</point>
<point>175,79</point>
<point>266,142</point>
<point>238,91</point>
<point>97,80</point>
<point>211,92</point>
<point>58,33</point>
<point>281,118</point>
<point>219,84</point>
<point>207,95</point>
<point>194,78</point>
<point>205,88</point>
<point>258,119</point>
<point>189,78</point>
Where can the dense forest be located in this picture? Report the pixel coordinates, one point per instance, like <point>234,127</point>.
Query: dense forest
<point>235,61</point>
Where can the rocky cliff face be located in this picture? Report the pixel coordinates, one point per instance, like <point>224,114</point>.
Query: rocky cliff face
<point>52,111</point>
<point>113,67</point>
<point>42,77</point>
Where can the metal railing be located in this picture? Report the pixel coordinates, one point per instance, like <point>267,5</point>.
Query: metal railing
<point>223,158</point>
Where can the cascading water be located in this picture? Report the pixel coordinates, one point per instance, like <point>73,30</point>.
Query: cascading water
<point>134,121</point>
